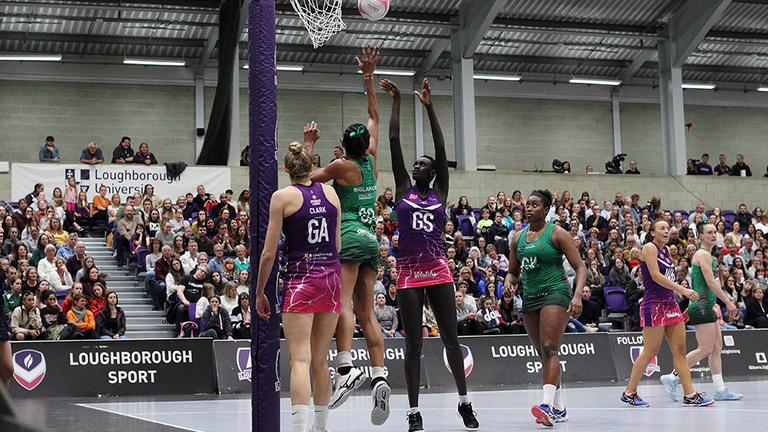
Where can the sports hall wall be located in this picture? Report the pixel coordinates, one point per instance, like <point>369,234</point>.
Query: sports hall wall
<point>513,133</point>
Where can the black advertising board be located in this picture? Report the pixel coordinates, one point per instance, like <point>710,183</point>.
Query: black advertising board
<point>112,368</point>
<point>233,365</point>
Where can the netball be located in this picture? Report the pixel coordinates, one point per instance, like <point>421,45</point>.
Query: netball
<point>373,10</point>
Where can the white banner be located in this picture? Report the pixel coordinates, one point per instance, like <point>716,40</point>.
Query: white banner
<point>122,179</point>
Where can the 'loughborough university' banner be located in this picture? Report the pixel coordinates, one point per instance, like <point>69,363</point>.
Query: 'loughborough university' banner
<point>123,179</point>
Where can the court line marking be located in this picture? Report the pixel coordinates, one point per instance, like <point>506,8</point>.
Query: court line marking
<point>139,418</point>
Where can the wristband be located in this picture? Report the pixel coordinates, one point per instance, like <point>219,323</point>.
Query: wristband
<point>366,76</point>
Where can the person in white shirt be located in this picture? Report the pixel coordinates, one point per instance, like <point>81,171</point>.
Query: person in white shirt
<point>189,259</point>
<point>47,266</point>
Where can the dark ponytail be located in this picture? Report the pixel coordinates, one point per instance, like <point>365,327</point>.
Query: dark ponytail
<point>356,139</point>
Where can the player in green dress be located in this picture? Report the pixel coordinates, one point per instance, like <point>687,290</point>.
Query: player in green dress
<point>701,315</point>
<point>354,179</point>
<point>536,262</point>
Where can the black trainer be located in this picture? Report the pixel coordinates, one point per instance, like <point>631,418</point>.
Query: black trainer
<point>415,423</point>
<point>468,415</point>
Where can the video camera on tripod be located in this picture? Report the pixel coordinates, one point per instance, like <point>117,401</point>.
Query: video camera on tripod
<point>614,165</point>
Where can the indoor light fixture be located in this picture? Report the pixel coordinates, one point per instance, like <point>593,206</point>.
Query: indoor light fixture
<point>392,72</point>
<point>148,62</point>
<point>286,68</point>
<point>496,77</point>
<point>762,89</point>
<point>594,81</point>
<point>698,86</point>
<point>21,57</point>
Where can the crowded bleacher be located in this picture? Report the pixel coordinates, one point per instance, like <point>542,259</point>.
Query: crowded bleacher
<point>192,253</point>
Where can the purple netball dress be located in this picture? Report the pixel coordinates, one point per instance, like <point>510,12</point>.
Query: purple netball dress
<point>420,258</point>
<point>659,307</point>
<point>312,282</point>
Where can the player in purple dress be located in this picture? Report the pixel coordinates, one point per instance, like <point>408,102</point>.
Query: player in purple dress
<point>421,264</point>
<point>660,316</point>
<point>309,214</point>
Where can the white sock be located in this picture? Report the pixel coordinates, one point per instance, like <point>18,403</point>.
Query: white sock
<point>463,399</point>
<point>718,380</point>
<point>321,418</point>
<point>343,358</point>
<point>674,377</point>
<point>559,402</point>
<point>299,416</point>
<point>378,371</point>
<point>414,410</point>
<point>549,394</point>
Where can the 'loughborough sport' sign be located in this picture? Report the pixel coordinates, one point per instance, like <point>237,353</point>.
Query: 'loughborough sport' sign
<point>123,179</point>
<point>109,368</point>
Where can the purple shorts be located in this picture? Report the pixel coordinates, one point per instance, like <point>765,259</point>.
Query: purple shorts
<point>658,314</point>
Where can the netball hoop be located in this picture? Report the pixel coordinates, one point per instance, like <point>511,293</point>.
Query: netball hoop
<point>322,18</point>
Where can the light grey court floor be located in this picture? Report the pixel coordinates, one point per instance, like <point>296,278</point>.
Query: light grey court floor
<point>591,408</point>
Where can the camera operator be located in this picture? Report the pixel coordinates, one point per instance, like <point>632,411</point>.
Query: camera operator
<point>632,168</point>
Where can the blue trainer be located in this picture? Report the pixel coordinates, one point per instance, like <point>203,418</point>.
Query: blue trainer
<point>559,416</point>
<point>634,400</point>
<point>697,400</point>
<point>727,395</point>
<point>670,386</point>
<point>544,414</point>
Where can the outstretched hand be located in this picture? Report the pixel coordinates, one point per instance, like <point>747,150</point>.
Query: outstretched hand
<point>390,87</point>
<point>368,64</point>
<point>425,96</point>
<point>311,133</point>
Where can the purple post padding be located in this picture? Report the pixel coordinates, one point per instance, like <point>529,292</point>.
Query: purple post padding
<point>262,95</point>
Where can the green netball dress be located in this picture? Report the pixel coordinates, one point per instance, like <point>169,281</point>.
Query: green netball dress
<point>702,310</point>
<point>542,278</point>
<point>358,217</point>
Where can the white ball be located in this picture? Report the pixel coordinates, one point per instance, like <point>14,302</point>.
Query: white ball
<point>373,10</point>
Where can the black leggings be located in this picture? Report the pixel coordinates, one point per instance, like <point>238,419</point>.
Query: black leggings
<point>411,301</point>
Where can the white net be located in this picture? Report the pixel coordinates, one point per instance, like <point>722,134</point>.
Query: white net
<point>322,18</point>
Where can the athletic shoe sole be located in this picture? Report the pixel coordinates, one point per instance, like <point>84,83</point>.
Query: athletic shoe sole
<point>380,412</point>
<point>541,416</point>
<point>345,392</point>
<point>635,406</point>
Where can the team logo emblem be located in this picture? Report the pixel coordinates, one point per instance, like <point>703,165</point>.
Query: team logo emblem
<point>244,364</point>
<point>653,365</point>
<point>29,368</point>
<point>469,361</point>
<point>541,246</point>
<point>412,196</point>
<point>85,174</point>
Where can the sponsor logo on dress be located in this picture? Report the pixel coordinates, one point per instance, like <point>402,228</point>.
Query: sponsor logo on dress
<point>412,196</point>
<point>672,314</point>
<point>423,274</point>
<point>29,368</point>
<point>653,365</point>
<point>469,361</point>
<point>244,364</point>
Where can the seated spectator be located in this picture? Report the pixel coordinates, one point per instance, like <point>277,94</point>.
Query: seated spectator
<point>89,280</point>
<point>589,320</point>
<point>740,169</point>
<point>484,224</point>
<point>100,206</point>
<point>223,239</point>
<point>97,303</point>
<point>386,316</point>
<point>632,168</point>
<point>144,156</point>
<point>25,320</point>
<point>126,228</point>
<point>46,267</point>
<point>188,291</point>
<point>12,297</point>
<point>31,281</point>
<point>60,280</point>
<point>54,319</point>
<point>493,257</point>
<point>757,309</point>
<point>619,274</point>
<point>497,234</point>
<point>489,316</point>
<point>80,316</point>
<point>91,155</point>
<point>203,302</point>
<point>69,301</point>
<point>466,322</point>
<point>243,281</point>
<point>158,287</point>
<point>111,319</point>
<point>510,307</point>
<point>123,153</point>
<point>140,239</point>
<point>241,262</point>
<point>49,152</point>
<point>229,299</point>
<point>178,246</point>
<point>83,211</point>
<point>489,287</point>
<point>216,321</point>
<point>229,270</point>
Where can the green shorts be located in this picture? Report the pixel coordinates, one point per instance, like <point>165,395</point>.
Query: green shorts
<point>551,297</point>
<point>358,244</point>
<point>697,316</point>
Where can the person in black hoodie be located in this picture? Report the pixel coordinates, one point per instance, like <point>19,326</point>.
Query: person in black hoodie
<point>110,321</point>
<point>757,309</point>
<point>216,321</point>
<point>241,317</point>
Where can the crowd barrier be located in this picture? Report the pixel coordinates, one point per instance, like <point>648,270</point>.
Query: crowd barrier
<point>189,366</point>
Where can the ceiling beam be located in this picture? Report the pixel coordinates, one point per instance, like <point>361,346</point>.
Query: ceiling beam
<point>210,44</point>
<point>206,4</point>
<point>437,50</point>
<point>158,6</point>
<point>114,40</point>
<point>476,17</point>
<point>635,66</point>
<point>690,24</point>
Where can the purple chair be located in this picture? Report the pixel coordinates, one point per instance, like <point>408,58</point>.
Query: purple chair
<point>192,310</point>
<point>616,304</point>
<point>141,256</point>
<point>465,226</point>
